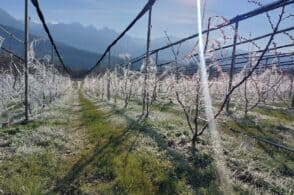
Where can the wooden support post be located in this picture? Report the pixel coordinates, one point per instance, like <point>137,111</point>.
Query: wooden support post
<point>53,73</point>
<point>292,101</point>
<point>145,98</point>
<point>207,35</point>
<point>291,88</point>
<point>232,64</point>
<point>156,58</point>
<point>52,55</point>
<point>116,84</point>
<point>26,58</point>
<point>108,77</point>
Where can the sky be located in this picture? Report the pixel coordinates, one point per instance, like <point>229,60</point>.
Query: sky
<point>177,17</point>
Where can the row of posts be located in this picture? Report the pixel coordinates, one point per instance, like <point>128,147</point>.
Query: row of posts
<point>145,99</point>
<point>145,95</point>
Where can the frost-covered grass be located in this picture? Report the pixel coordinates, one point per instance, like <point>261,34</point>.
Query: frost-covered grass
<point>257,165</point>
<point>115,162</point>
<point>30,162</point>
<point>97,147</point>
<point>280,114</point>
<point>29,174</point>
<point>198,171</point>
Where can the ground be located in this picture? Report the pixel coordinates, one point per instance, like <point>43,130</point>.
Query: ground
<point>80,145</point>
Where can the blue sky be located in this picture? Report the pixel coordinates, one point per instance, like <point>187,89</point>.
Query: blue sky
<point>177,17</point>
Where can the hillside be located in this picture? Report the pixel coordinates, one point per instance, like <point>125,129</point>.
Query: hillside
<point>78,60</point>
<point>94,40</point>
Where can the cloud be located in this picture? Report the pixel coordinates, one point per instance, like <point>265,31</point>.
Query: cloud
<point>177,18</point>
<point>188,2</point>
<point>193,3</point>
<point>184,21</point>
<point>185,3</point>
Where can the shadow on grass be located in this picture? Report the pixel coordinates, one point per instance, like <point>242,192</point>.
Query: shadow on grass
<point>101,163</point>
<point>246,124</point>
<point>276,160</point>
<point>197,170</point>
<point>69,184</point>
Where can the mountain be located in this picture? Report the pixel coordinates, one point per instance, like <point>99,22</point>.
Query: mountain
<point>8,20</point>
<point>79,61</point>
<point>91,39</point>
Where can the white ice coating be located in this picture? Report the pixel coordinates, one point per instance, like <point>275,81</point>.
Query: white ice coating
<point>1,41</point>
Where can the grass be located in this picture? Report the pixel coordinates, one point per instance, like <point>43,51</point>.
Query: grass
<point>282,115</point>
<point>32,173</point>
<point>267,158</point>
<point>108,164</point>
<point>111,160</point>
<point>162,107</point>
<point>264,128</point>
<point>31,126</point>
<point>29,175</point>
<point>283,104</point>
<point>267,161</point>
<point>112,165</point>
<point>167,107</point>
<point>198,170</point>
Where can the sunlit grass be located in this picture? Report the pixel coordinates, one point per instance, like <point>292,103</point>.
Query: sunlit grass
<point>114,163</point>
